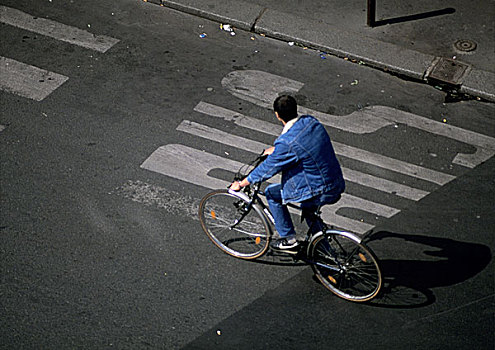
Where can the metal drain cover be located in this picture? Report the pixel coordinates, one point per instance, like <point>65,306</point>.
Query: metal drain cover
<point>465,45</point>
<point>447,71</point>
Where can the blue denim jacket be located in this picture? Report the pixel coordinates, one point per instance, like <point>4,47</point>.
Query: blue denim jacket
<point>307,160</point>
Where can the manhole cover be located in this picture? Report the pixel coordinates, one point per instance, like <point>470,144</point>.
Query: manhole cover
<point>448,71</point>
<point>465,45</point>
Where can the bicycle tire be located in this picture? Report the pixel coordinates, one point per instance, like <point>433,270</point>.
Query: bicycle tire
<point>345,266</point>
<point>249,239</point>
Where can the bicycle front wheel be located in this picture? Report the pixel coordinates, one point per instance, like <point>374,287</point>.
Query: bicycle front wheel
<point>235,226</point>
<point>345,266</point>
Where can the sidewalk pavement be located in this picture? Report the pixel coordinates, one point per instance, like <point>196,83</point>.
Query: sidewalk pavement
<point>452,47</point>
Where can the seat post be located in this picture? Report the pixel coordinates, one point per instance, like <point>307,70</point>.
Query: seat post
<point>314,220</point>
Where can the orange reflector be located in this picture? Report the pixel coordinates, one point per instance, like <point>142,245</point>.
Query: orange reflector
<point>213,215</point>
<point>362,257</point>
<point>257,240</point>
<point>333,280</point>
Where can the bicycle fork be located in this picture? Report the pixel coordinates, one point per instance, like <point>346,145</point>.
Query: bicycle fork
<point>244,212</point>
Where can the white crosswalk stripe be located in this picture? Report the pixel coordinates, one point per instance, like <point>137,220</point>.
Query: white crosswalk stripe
<point>56,30</point>
<point>34,82</point>
<point>28,81</point>
<point>340,149</point>
<point>256,147</point>
<point>197,166</point>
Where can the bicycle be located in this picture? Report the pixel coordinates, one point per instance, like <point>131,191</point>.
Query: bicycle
<point>240,224</point>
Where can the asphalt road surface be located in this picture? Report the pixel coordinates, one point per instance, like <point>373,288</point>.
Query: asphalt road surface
<point>117,117</point>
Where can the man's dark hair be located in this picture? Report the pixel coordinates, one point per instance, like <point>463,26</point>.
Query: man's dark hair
<point>286,107</point>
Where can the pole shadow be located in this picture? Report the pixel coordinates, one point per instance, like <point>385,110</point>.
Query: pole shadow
<point>443,262</point>
<point>415,17</point>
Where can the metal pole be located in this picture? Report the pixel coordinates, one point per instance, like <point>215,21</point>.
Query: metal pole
<point>371,13</point>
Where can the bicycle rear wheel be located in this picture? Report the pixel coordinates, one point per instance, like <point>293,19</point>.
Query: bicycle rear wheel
<point>345,266</point>
<point>233,225</point>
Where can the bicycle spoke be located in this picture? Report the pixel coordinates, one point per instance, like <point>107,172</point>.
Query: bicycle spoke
<point>243,234</point>
<point>346,267</point>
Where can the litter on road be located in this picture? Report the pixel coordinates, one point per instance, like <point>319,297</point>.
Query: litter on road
<point>227,28</point>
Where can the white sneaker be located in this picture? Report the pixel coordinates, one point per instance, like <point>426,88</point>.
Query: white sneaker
<point>285,243</point>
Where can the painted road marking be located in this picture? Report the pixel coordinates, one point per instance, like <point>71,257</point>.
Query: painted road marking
<point>28,81</point>
<point>56,30</point>
<point>341,149</point>
<point>190,165</point>
<point>259,87</point>
<point>33,82</point>
<point>485,145</point>
<point>392,164</point>
<point>197,166</point>
<point>256,147</point>
<point>194,166</point>
<point>238,118</point>
<point>245,85</point>
<point>262,88</point>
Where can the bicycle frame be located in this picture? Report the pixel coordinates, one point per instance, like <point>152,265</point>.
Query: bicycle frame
<point>255,199</point>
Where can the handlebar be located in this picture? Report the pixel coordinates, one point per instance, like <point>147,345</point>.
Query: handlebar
<point>239,176</point>
<point>247,169</point>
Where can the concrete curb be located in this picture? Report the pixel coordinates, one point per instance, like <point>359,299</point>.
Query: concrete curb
<point>480,83</point>
<point>240,14</point>
<point>329,39</point>
<point>342,44</point>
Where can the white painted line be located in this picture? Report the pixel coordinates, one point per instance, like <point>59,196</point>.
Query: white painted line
<point>28,81</point>
<point>56,30</point>
<point>435,127</point>
<point>261,88</point>
<point>256,147</point>
<point>383,185</point>
<point>350,201</point>
<point>193,166</point>
<point>392,164</point>
<point>485,145</point>
<point>358,122</point>
<point>238,118</point>
<point>471,160</point>
<point>341,149</point>
<point>223,137</point>
<point>189,164</point>
<point>329,213</point>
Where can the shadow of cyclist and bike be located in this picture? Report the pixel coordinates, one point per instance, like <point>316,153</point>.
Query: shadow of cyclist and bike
<point>412,265</point>
<point>411,274</point>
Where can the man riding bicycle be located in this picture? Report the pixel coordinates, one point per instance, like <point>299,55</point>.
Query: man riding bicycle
<point>311,173</point>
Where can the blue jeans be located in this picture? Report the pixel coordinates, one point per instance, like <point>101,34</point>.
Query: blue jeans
<point>281,215</point>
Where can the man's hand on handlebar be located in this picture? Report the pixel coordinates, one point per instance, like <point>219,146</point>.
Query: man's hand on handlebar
<point>237,185</point>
